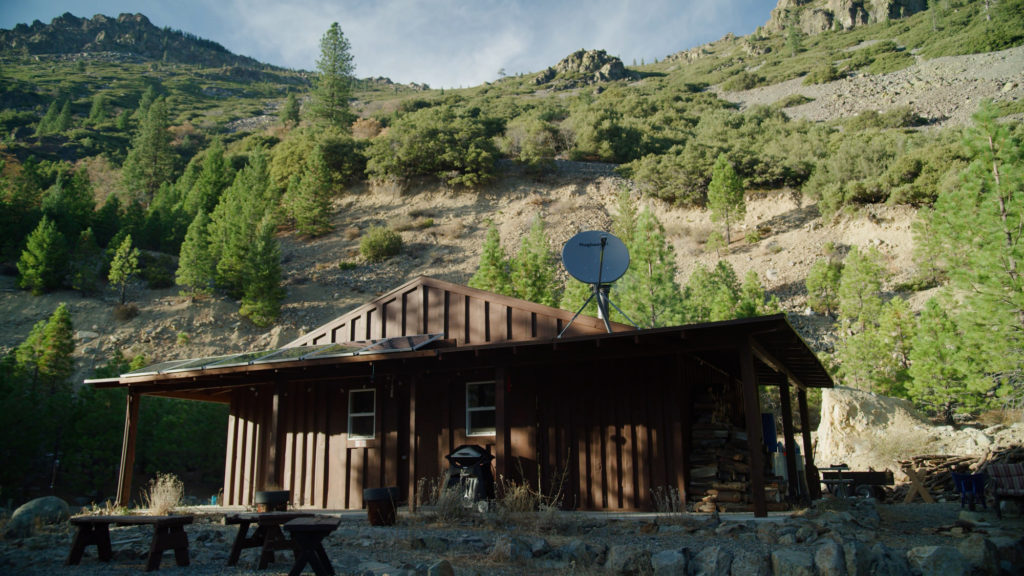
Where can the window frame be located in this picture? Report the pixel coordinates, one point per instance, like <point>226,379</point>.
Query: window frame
<point>372,415</point>
<point>472,409</point>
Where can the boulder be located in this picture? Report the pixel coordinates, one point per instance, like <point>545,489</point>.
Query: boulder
<point>830,560</point>
<point>45,510</point>
<point>937,561</point>
<point>628,561</point>
<point>981,553</point>
<point>792,562</point>
<point>711,561</point>
<point>669,563</point>
<point>816,16</point>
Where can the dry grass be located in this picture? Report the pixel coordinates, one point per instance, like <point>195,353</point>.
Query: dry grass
<point>899,443</point>
<point>448,504</point>
<point>352,233</point>
<point>125,312</point>
<point>163,494</point>
<point>667,500</point>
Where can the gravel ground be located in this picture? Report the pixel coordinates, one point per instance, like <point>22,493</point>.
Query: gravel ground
<point>540,543</point>
<point>946,91</point>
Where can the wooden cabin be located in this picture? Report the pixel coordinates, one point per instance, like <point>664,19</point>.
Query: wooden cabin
<point>380,395</point>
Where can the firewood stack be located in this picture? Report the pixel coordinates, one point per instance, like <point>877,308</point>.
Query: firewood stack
<point>935,469</point>
<point>719,463</point>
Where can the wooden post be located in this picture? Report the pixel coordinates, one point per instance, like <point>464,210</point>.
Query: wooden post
<point>131,422</point>
<point>412,455</point>
<point>271,472</point>
<point>787,431</point>
<point>752,414</point>
<point>502,436</point>
<point>813,485</point>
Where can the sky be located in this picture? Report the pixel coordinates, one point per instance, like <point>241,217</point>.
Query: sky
<point>442,43</point>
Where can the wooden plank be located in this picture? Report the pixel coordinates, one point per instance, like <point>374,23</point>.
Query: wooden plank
<point>458,325</point>
<point>320,462</point>
<point>502,434</point>
<point>412,312</point>
<point>476,318</point>
<point>337,455</point>
<point>640,455</point>
<point>272,471</point>
<point>612,445</point>
<point>413,453</point>
<point>357,476</point>
<point>247,450</point>
<point>752,414</point>
<point>392,313</point>
<point>522,325</point>
<point>597,452</point>
<point>389,452</point>
<point>545,327</point>
<point>786,402</point>
<point>498,323</point>
<point>435,311</point>
<point>811,472</point>
<point>288,425</point>
<point>128,440</point>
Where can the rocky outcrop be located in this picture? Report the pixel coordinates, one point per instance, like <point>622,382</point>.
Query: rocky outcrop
<point>814,16</point>
<point>35,513</point>
<point>584,67</point>
<point>864,430</point>
<point>127,34</point>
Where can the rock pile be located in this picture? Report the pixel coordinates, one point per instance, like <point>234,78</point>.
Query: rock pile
<point>815,16</point>
<point>584,67</point>
<point>838,537</point>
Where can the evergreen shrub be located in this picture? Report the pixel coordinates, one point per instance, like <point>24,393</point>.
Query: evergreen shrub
<point>380,243</point>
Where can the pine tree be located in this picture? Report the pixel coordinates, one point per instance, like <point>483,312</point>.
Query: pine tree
<point>214,178</point>
<point>290,111</point>
<point>48,123</point>
<point>232,234</point>
<point>307,200</point>
<point>713,295</point>
<point>70,203</point>
<point>86,263</point>
<point>43,262</point>
<point>335,69</point>
<point>98,112</point>
<point>195,265</point>
<point>624,222</point>
<point>752,299</point>
<point>939,374</point>
<point>860,288</point>
<point>575,294</point>
<point>648,293</point>
<point>64,119</point>
<point>124,266</point>
<point>823,286</point>
<point>150,160</point>
<point>261,302</point>
<point>725,196</point>
<point>492,274</point>
<point>977,227</point>
<point>534,267</point>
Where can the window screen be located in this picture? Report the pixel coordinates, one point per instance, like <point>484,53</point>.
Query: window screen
<point>362,414</point>
<point>480,413</point>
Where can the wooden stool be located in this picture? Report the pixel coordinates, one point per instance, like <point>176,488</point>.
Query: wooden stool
<point>267,536</point>
<point>307,535</point>
<point>168,534</point>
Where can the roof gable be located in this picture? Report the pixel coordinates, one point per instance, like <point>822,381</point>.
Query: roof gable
<point>426,305</point>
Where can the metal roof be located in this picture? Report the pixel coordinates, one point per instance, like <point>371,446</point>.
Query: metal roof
<point>288,354</point>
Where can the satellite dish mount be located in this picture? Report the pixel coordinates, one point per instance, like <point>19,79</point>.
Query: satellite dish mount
<point>596,258</point>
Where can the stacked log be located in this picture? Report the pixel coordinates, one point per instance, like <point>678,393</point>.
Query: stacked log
<point>935,469</point>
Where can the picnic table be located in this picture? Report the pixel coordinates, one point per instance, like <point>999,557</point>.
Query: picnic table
<point>308,534</point>
<point>168,534</point>
<point>267,535</point>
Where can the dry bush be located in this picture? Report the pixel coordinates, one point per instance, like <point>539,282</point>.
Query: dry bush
<point>667,500</point>
<point>366,128</point>
<point>401,223</point>
<point>514,497</point>
<point>163,494</point>
<point>451,230</point>
<point>352,233</point>
<point>448,504</point>
<point>125,312</point>
<point>1003,416</point>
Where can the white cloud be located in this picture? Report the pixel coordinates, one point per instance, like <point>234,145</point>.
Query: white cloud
<point>445,43</point>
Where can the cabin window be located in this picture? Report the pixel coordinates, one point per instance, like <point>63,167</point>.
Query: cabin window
<point>362,413</point>
<point>480,413</point>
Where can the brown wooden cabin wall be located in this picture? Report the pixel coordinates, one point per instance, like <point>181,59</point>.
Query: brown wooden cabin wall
<point>441,422</point>
<point>314,458</point>
<point>603,435</point>
<point>247,446</point>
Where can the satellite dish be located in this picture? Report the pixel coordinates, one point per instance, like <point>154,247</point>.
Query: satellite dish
<point>595,257</point>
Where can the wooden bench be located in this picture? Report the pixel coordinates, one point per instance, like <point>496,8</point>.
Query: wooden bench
<point>308,534</point>
<point>1007,482</point>
<point>168,534</point>
<point>267,536</point>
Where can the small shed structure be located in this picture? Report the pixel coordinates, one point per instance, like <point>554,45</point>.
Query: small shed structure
<point>380,395</point>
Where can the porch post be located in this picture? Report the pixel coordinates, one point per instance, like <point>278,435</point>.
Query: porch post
<point>752,414</point>
<point>813,485</point>
<point>131,421</point>
<point>501,433</point>
<point>787,430</point>
<point>412,454</point>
